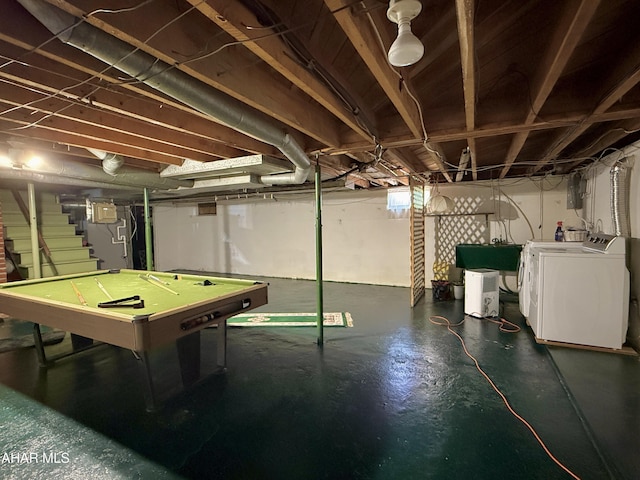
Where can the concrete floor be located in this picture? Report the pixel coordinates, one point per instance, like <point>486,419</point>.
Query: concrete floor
<point>392,398</point>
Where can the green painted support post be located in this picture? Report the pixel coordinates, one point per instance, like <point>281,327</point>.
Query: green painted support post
<point>319,302</point>
<point>33,223</point>
<point>148,241</point>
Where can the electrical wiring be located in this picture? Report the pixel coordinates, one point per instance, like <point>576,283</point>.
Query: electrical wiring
<point>507,327</point>
<point>133,81</point>
<point>134,222</point>
<point>71,27</point>
<point>541,209</point>
<point>508,73</point>
<point>74,25</point>
<point>454,168</point>
<point>118,10</point>
<point>607,133</point>
<point>521,213</point>
<point>306,61</point>
<point>425,136</point>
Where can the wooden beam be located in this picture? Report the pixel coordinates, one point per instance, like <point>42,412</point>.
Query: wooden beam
<point>251,83</point>
<point>51,134</point>
<point>37,104</point>
<point>438,158</point>
<point>465,15</point>
<point>232,17</point>
<point>126,99</point>
<point>491,130</point>
<point>612,135</point>
<point>568,33</point>
<point>95,131</point>
<point>621,87</point>
<point>360,33</point>
<point>366,37</point>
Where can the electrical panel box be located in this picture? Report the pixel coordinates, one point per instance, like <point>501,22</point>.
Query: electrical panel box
<point>104,213</point>
<point>576,188</point>
<point>481,293</point>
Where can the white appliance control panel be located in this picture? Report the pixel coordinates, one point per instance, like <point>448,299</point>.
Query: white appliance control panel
<point>604,243</point>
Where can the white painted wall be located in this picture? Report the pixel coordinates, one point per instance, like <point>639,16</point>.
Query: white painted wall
<point>362,242</point>
<point>598,212</point>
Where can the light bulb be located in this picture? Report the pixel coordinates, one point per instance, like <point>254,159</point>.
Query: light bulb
<point>406,49</point>
<point>33,162</point>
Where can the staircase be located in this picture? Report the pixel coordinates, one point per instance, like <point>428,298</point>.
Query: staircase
<point>68,255</point>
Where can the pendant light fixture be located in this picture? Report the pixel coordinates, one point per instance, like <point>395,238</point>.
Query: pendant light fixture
<point>407,49</point>
<point>439,204</point>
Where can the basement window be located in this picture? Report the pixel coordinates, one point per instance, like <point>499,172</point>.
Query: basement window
<point>398,199</point>
<point>207,209</point>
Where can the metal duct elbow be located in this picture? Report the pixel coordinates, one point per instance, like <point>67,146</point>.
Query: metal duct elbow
<point>170,81</point>
<point>302,164</point>
<point>111,162</point>
<point>619,198</point>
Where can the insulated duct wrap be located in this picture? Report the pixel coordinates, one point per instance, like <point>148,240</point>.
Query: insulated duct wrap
<point>174,83</point>
<point>619,177</point>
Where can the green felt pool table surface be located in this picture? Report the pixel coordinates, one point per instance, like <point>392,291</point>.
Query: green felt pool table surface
<point>173,307</point>
<point>189,288</point>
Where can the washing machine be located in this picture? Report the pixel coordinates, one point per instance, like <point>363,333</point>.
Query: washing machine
<point>580,296</point>
<point>524,268</point>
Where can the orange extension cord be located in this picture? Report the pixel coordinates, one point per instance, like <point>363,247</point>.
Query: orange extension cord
<point>508,327</point>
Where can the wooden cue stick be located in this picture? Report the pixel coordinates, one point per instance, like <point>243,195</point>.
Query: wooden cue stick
<point>153,277</point>
<point>104,290</point>
<point>79,295</point>
<point>158,284</point>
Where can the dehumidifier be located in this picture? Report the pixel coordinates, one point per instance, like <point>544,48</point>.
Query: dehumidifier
<point>481,292</point>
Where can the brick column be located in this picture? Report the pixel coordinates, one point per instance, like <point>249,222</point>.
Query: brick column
<point>3,262</point>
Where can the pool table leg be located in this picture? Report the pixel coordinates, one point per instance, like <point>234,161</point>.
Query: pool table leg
<point>37,339</point>
<point>222,344</point>
<point>150,390</point>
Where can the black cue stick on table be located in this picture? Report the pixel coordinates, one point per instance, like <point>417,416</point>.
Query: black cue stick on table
<point>129,302</point>
<point>78,294</point>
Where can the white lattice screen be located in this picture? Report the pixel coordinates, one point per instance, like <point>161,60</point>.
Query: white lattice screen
<point>417,244</point>
<point>459,226</point>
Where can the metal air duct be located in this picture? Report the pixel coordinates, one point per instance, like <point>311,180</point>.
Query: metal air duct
<point>619,177</point>
<point>31,176</point>
<point>131,177</point>
<point>111,162</point>
<point>175,83</point>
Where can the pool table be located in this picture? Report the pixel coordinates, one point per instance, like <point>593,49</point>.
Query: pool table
<point>137,310</point>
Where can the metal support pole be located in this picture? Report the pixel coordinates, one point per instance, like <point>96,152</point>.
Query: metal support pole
<point>319,302</point>
<point>33,222</point>
<point>148,241</point>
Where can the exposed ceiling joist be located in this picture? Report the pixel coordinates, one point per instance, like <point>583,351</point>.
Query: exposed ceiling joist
<point>520,83</point>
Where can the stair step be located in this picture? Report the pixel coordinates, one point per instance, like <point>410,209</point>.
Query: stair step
<point>62,268</point>
<point>18,245</point>
<point>45,202</point>
<point>59,255</point>
<point>16,219</point>
<point>14,232</point>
